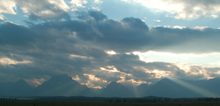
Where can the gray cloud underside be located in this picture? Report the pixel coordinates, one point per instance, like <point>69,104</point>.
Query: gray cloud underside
<point>49,46</point>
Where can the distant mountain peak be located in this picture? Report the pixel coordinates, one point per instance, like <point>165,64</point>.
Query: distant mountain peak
<point>62,85</point>
<point>114,82</point>
<point>115,89</point>
<point>21,82</point>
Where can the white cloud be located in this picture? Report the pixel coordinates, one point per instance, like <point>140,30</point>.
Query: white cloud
<point>183,9</point>
<point>1,17</point>
<point>175,27</point>
<point>60,3</point>
<point>126,1</point>
<point>45,9</point>
<point>78,3</point>
<point>157,20</point>
<point>200,27</point>
<point>7,6</point>
<point>74,9</point>
<point>98,1</point>
<point>96,8</point>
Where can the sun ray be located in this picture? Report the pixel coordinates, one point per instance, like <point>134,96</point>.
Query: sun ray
<point>194,88</point>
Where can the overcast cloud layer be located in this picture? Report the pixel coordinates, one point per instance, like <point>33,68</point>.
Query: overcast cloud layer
<point>95,49</point>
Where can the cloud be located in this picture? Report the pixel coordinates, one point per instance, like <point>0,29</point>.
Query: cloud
<point>157,20</point>
<point>98,1</point>
<point>44,9</point>
<point>81,48</point>
<point>97,15</point>
<point>7,7</point>
<point>183,9</point>
<point>132,34</point>
<point>78,3</point>
<point>207,59</point>
<point>8,61</point>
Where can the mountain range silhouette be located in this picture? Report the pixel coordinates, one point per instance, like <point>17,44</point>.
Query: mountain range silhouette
<point>63,85</point>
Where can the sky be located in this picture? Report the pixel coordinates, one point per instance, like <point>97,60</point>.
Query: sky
<point>95,42</point>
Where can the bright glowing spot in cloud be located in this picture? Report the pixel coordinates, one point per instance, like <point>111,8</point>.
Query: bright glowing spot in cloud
<point>111,52</point>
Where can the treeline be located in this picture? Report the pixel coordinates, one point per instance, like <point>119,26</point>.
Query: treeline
<point>7,98</point>
<point>156,100</point>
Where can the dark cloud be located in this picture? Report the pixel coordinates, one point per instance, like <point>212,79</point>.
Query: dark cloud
<point>97,15</point>
<point>136,23</point>
<point>78,47</point>
<point>12,34</point>
<point>132,34</point>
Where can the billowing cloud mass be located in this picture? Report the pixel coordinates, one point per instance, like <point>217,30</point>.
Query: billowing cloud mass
<point>95,49</point>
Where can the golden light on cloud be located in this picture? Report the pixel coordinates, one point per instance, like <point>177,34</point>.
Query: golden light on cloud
<point>79,56</point>
<point>93,78</point>
<point>132,81</point>
<point>109,69</point>
<point>97,87</point>
<point>8,61</point>
<point>137,83</point>
<point>76,78</point>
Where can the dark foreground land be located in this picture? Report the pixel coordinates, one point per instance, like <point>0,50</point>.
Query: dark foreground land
<point>102,103</point>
